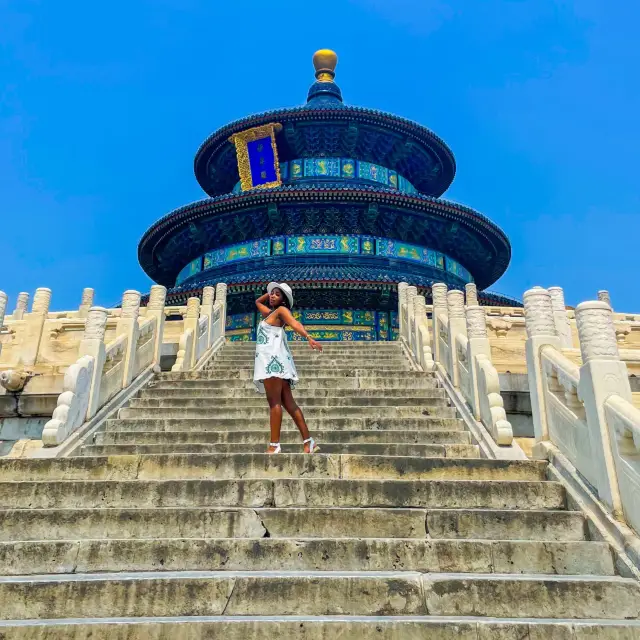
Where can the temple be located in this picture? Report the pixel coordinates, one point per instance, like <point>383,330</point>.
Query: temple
<point>341,202</point>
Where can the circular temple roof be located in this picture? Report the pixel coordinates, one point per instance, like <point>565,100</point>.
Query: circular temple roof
<point>325,126</point>
<point>331,204</point>
<point>458,231</point>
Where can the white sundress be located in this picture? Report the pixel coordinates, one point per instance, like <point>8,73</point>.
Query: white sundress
<point>273,357</point>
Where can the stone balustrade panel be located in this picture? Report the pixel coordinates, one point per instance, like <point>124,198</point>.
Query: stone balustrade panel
<point>566,417</point>
<point>113,370</point>
<point>623,420</point>
<point>145,348</point>
<point>464,373</point>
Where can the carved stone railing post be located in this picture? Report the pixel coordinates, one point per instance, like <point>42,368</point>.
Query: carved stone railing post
<point>206,309</point>
<point>478,344</point>
<point>457,326</point>
<point>128,325</point>
<point>602,374</point>
<point>221,295</point>
<point>86,302</point>
<point>603,296</point>
<point>402,301</point>
<point>221,298</point>
<point>92,344</point>
<point>191,322</point>
<point>22,304</point>
<point>541,331</point>
<point>471,292</point>
<point>34,325</point>
<point>560,317</point>
<point>439,297</point>
<point>155,308</point>
<point>3,309</point>
<point>412,292</point>
<point>424,354</point>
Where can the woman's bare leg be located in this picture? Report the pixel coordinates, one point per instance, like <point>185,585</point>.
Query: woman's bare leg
<point>295,412</point>
<point>273,388</point>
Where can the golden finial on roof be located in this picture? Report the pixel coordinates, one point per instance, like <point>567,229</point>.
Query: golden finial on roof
<point>325,62</point>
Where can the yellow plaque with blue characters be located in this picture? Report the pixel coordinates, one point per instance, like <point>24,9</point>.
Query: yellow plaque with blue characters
<point>257,154</point>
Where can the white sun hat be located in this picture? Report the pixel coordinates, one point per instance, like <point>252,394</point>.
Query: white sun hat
<point>284,287</point>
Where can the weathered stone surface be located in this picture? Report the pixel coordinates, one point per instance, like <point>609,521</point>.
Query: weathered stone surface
<point>114,596</point>
<point>318,554</point>
<point>506,525</point>
<point>200,422</point>
<point>325,594</point>
<point>87,523</point>
<point>322,628</point>
<point>395,521</point>
<point>336,522</point>
<point>136,494</point>
<point>419,493</point>
<point>549,597</point>
<point>368,449</point>
<point>440,468</point>
<point>313,414</point>
<point>449,438</point>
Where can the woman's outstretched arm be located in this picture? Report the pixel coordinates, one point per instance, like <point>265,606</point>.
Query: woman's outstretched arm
<point>287,317</point>
<point>262,305</point>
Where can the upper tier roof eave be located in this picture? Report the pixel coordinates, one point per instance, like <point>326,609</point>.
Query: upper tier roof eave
<point>326,112</point>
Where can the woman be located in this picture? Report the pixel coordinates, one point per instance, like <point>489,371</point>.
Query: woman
<point>275,372</point>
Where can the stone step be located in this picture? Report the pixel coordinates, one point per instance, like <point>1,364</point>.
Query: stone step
<point>313,372</point>
<point>312,413</point>
<point>334,368</point>
<point>192,466</point>
<point>240,593</point>
<point>302,395</point>
<point>379,627</point>
<point>317,362</point>
<point>260,423</point>
<point>281,492</point>
<point>366,449</point>
<point>304,554</point>
<point>226,522</point>
<point>224,403</point>
<point>242,438</point>
<point>376,383</point>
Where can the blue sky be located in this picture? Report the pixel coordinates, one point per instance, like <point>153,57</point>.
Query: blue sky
<point>103,106</point>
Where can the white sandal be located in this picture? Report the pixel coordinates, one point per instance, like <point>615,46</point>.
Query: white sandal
<point>313,447</point>
<point>276,446</point>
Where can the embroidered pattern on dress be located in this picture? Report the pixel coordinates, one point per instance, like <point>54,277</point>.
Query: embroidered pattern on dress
<point>275,366</point>
<point>263,337</point>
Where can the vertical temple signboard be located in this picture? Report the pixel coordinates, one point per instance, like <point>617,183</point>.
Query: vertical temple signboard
<point>257,155</point>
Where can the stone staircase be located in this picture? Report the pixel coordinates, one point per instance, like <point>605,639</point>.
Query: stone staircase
<point>175,524</point>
